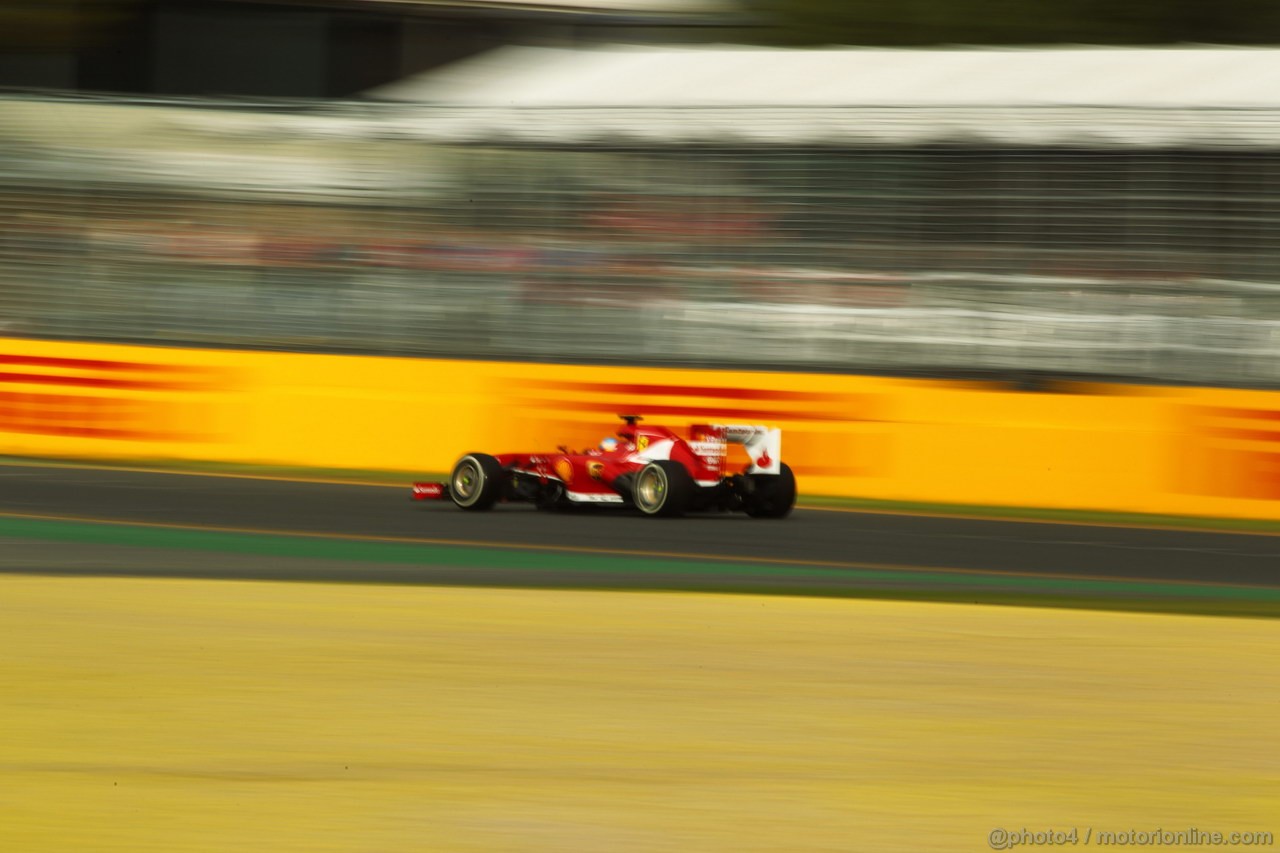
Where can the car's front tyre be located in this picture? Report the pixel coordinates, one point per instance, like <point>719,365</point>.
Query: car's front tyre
<point>475,483</point>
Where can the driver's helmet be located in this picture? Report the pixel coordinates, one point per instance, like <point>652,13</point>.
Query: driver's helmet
<point>609,444</point>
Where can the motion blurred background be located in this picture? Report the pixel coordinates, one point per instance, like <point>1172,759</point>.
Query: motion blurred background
<point>809,184</point>
<point>539,202</point>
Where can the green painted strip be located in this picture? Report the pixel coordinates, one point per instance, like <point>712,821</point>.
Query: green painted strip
<point>611,570</point>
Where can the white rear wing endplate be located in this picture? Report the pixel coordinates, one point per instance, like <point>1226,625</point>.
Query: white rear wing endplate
<point>763,445</point>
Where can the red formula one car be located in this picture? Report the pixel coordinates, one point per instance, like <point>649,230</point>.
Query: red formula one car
<point>654,469</point>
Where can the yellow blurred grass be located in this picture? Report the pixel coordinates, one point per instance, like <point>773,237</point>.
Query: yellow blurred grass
<point>175,715</point>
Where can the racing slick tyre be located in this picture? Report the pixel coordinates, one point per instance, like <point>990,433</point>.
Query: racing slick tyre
<point>663,488</point>
<point>476,481</point>
<point>772,495</point>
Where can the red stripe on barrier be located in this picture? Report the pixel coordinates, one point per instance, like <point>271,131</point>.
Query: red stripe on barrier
<point>633,389</point>
<point>62,381</point>
<point>651,408</point>
<point>63,363</point>
<point>1244,434</point>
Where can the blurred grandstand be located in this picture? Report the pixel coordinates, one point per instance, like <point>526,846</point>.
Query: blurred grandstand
<point>311,48</point>
<point>1081,212</point>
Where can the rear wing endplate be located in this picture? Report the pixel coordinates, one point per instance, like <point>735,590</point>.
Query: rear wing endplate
<point>763,446</point>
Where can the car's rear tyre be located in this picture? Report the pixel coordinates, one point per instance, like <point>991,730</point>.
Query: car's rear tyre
<point>663,488</point>
<point>772,495</point>
<point>476,481</point>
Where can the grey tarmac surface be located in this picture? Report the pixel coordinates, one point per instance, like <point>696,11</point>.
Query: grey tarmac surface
<point>808,536</point>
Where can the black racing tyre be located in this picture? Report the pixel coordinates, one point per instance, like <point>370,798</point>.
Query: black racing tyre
<point>772,495</point>
<point>663,488</point>
<point>476,481</point>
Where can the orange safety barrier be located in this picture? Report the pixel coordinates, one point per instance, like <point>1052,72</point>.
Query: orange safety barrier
<point>1213,452</point>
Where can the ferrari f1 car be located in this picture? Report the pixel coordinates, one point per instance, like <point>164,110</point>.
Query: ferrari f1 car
<point>653,469</point>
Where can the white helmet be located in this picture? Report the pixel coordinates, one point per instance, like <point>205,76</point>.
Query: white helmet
<point>609,445</point>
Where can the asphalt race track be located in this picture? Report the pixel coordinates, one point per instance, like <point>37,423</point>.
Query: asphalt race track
<point>809,537</point>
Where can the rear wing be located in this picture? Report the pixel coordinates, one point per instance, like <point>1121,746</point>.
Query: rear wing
<point>763,446</point>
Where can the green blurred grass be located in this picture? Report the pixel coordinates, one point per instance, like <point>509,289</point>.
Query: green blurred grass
<point>435,563</point>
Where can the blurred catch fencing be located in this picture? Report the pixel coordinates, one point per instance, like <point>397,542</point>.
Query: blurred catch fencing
<point>368,228</point>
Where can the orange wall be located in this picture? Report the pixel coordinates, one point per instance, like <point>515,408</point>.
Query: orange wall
<point>1140,449</point>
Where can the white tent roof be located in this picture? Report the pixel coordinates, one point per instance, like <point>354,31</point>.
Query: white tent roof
<point>1197,96</point>
<point>734,76</point>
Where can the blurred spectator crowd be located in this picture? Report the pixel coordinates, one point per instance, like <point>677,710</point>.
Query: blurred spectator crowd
<point>937,260</point>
